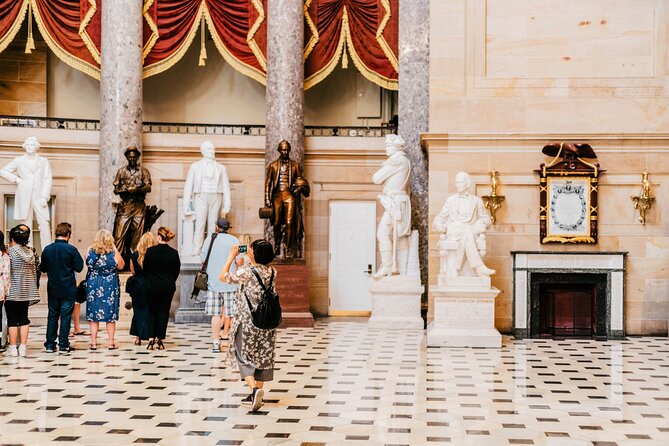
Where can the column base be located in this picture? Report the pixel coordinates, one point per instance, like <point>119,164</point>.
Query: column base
<point>396,303</point>
<point>190,310</point>
<point>462,337</point>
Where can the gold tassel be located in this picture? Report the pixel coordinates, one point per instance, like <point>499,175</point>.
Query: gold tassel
<point>344,59</point>
<point>30,43</point>
<point>203,47</point>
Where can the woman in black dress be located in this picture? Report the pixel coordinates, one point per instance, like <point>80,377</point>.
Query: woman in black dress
<point>140,304</point>
<point>161,268</point>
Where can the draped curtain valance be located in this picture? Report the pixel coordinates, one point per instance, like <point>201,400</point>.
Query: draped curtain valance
<point>364,30</point>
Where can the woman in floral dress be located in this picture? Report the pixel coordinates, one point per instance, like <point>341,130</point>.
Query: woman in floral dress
<point>250,346</point>
<point>103,292</point>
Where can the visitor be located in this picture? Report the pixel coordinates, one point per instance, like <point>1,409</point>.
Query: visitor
<point>4,284</point>
<point>139,327</point>
<point>161,267</point>
<point>22,289</point>
<point>61,261</point>
<point>221,296</point>
<point>251,347</point>
<point>103,293</point>
<point>76,323</point>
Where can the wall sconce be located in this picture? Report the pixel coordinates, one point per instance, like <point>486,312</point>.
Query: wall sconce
<point>493,201</point>
<point>644,201</point>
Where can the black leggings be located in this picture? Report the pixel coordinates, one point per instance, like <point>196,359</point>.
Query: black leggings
<point>17,313</point>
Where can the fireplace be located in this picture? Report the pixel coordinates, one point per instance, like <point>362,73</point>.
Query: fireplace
<point>568,305</point>
<point>568,294</point>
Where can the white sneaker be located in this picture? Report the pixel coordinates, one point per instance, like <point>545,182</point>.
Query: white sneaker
<point>12,350</point>
<point>257,400</point>
<point>216,347</point>
<point>22,350</point>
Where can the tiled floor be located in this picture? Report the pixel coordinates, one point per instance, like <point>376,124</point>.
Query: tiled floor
<point>341,383</point>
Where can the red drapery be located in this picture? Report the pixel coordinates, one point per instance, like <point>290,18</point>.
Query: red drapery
<point>12,13</point>
<point>364,30</point>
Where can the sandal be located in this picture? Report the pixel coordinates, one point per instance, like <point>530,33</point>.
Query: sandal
<point>160,344</point>
<point>138,342</point>
<point>149,346</point>
<point>93,347</point>
<point>112,347</point>
<point>80,333</point>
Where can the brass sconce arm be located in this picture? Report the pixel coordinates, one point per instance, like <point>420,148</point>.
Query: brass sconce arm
<point>643,202</point>
<point>493,201</point>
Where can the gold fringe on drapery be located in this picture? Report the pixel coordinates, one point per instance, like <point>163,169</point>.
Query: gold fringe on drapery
<point>30,43</point>
<point>83,33</point>
<point>203,48</point>
<point>148,46</point>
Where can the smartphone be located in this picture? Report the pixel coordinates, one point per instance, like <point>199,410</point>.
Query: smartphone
<point>243,248</point>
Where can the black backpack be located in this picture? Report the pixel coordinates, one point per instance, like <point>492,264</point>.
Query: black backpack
<point>267,315</point>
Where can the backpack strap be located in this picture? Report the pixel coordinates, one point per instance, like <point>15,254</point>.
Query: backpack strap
<point>264,288</point>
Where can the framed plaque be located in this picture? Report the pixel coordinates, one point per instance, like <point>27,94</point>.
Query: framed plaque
<point>568,205</point>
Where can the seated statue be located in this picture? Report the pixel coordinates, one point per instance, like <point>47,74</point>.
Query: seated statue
<point>463,221</point>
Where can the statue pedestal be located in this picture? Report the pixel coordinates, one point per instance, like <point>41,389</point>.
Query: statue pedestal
<point>396,303</point>
<point>464,314</point>
<point>190,310</point>
<point>124,313</point>
<point>293,289</point>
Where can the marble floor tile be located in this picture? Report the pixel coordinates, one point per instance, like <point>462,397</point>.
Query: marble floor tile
<point>341,383</point>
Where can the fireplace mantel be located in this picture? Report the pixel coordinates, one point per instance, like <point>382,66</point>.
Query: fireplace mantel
<point>611,263</point>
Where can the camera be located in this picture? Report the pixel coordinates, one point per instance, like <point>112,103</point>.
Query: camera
<point>243,248</point>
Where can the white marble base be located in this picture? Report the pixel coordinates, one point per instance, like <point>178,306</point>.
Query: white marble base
<point>124,314</point>
<point>463,317</point>
<point>396,303</point>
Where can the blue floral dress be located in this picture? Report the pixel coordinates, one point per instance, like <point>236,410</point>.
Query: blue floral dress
<point>103,288</point>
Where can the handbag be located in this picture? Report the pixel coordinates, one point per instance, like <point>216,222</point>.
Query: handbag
<point>81,292</point>
<point>201,282</point>
<point>267,314</point>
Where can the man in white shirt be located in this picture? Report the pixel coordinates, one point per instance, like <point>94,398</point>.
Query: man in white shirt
<point>207,188</point>
<point>32,175</point>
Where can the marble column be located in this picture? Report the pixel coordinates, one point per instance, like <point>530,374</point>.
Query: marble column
<point>414,100</point>
<point>121,94</point>
<point>285,78</point>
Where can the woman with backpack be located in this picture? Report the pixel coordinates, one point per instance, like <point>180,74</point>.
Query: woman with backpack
<point>250,346</point>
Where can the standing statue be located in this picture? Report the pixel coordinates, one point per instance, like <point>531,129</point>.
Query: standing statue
<point>463,221</point>
<point>284,188</point>
<point>207,188</point>
<point>133,217</point>
<point>32,175</point>
<point>395,225</point>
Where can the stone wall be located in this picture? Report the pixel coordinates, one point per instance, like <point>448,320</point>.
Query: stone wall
<point>338,168</point>
<point>507,77</point>
<point>516,157</point>
<point>23,80</point>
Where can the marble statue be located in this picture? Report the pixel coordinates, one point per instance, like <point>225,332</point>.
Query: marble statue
<point>133,217</point>
<point>462,222</point>
<point>284,188</point>
<point>395,224</point>
<point>32,175</point>
<point>206,191</point>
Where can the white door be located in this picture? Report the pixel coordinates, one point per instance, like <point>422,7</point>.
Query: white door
<point>352,257</point>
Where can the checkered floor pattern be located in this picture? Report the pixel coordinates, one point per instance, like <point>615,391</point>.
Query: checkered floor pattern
<point>341,383</point>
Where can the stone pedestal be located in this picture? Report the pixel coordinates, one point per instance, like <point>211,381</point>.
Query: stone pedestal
<point>190,310</point>
<point>125,313</point>
<point>464,314</point>
<point>293,288</point>
<point>396,303</point>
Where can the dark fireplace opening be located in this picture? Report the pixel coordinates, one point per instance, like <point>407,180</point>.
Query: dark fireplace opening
<point>568,305</point>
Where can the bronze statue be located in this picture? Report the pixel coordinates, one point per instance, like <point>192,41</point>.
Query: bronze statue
<point>284,188</point>
<point>133,217</point>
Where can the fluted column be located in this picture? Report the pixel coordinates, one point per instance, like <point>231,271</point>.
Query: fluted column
<point>121,94</point>
<point>285,78</point>
<point>414,100</point>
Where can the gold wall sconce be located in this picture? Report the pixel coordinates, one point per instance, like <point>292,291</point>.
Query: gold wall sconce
<point>493,201</point>
<point>643,202</point>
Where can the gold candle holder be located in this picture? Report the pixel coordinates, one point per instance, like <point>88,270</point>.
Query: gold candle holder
<point>643,202</point>
<point>493,201</point>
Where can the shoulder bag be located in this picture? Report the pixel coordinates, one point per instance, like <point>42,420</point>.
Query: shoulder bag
<point>202,278</point>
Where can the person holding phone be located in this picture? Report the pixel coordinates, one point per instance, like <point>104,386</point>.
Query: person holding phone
<point>221,296</point>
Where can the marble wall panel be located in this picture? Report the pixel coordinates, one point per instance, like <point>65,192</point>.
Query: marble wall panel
<point>23,80</point>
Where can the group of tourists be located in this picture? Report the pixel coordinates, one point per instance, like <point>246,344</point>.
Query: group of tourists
<point>237,281</point>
